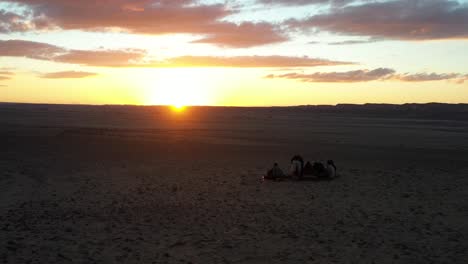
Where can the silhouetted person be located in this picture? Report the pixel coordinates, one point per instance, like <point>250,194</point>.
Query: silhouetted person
<point>297,166</point>
<point>319,170</point>
<point>331,169</point>
<point>308,169</point>
<point>275,173</point>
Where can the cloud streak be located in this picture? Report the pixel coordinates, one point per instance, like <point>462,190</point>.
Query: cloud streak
<point>426,77</point>
<point>67,75</point>
<point>139,58</point>
<point>29,49</point>
<point>352,42</point>
<point>249,62</point>
<point>305,2</point>
<point>349,76</point>
<point>48,52</point>
<point>5,75</point>
<point>399,19</point>
<point>379,74</point>
<point>103,58</point>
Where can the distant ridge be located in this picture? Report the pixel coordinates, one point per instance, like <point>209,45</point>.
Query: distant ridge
<point>438,111</point>
<point>411,110</point>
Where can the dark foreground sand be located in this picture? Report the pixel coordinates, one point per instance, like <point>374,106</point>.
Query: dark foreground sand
<point>143,185</point>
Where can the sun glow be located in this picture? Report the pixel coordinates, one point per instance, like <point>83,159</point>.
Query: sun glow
<point>178,108</point>
<point>178,87</point>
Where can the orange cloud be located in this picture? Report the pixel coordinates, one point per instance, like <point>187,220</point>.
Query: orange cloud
<point>105,58</point>
<point>243,35</point>
<point>249,61</point>
<point>67,75</point>
<point>138,58</point>
<point>5,75</point>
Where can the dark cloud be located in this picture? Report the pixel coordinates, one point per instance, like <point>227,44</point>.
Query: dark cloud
<point>399,19</point>
<point>147,17</point>
<point>67,75</point>
<point>370,75</point>
<point>12,22</point>
<point>139,58</point>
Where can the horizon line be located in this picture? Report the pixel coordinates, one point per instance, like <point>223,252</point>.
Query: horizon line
<point>234,106</point>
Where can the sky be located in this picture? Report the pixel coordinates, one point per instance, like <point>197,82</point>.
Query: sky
<point>233,52</point>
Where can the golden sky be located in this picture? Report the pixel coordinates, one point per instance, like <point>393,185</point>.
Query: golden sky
<point>242,52</point>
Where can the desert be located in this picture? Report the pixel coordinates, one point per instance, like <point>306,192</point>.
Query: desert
<point>125,184</point>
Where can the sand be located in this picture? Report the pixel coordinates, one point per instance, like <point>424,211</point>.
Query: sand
<point>82,184</point>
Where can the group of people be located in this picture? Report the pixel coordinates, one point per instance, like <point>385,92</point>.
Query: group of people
<point>298,170</point>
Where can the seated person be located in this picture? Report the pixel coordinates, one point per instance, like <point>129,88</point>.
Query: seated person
<point>308,169</point>
<point>297,166</point>
<point>318,170</point>
<point>331,169</point>
<point>275,173</point>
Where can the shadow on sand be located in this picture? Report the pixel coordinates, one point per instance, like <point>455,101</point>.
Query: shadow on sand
<point>304,179</point>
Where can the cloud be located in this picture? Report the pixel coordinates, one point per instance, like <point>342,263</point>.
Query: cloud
<point>139,58</point>
<point>29,49</point>
<point>370,75</point>
<point>399,19</point>
<point>148,17</point>
<point>306,2</point>
<point>425,77</point>
<point>103,58</point>
<point>244,35</point>
<point>353,42</point>
<point>67,75</point>
<point>5,75</point>
<point>48,52</point>
<point>349,76</point>
<point>249,61</point>
<point>11,22</point>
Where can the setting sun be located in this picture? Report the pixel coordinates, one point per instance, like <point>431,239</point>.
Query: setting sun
<point>178,108</point>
